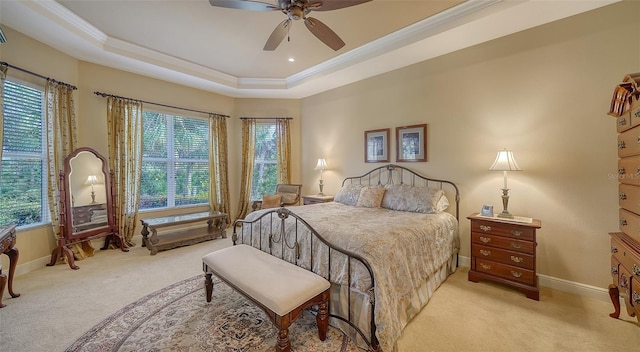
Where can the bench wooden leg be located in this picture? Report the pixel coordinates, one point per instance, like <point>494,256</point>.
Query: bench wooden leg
<point>208,285</point>
<point>322,318</point>
<point>283,344</point>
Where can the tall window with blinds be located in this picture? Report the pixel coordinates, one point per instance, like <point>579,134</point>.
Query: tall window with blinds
<point>23,177</point>
<point>265,166</point>
<point>175,161</point>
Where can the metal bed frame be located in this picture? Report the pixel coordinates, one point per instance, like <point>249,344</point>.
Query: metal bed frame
<point>289,248</point>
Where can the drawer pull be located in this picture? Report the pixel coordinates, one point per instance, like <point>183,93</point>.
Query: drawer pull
<point>485,228</point>
<point>636,297</point>
<point>614,249</point>
<point>621,171</point>
<point>485,252</point>
<point>485,266</point>
<point>623,222</point>
<point>516,273</point>
<point>621,145</point>
<point>614,270</point>
<point>516,259</point>
<point>636,269</point>
<point>622,196</point>
<point>622,121</point>
<point>485,239</point>
<point>516,245</point>
<point>516,233</point>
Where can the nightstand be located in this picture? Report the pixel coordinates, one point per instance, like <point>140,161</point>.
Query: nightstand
<point>314,199</point>
<point>504,251</point>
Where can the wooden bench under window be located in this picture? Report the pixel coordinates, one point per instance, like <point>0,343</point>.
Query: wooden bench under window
<point>191,230</point>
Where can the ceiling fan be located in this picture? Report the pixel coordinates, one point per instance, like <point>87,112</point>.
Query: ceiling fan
<point>295,10</point>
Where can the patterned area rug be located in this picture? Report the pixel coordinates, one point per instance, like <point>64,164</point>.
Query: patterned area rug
<point>178,318</point>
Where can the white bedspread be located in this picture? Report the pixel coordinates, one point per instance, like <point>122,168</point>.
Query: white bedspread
<point>405,250</point>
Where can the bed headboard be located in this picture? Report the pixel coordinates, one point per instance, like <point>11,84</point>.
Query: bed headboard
<point>397,175</point>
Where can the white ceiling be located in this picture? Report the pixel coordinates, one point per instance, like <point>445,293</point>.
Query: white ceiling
<point>218,49</point>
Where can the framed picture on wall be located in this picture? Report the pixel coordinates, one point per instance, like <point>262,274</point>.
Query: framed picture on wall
<point>412,143</point>
<point>376,146</point>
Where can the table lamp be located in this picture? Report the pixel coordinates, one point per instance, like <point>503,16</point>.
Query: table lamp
<point>321,165</point>
<point>92,180</point>
<point>505,162</point>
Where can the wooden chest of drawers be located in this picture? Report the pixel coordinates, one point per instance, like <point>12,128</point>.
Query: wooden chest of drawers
<point>625,245</point>
<point>504,252</point>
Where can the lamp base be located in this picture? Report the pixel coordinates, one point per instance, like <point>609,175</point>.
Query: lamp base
<point>505,214</point>
<point>505,202</point>
<point>321,187</point>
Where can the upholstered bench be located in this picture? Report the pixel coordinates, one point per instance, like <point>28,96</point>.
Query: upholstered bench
<point>283,290</point>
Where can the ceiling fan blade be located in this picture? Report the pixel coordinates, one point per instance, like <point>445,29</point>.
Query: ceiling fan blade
<point>324,33</point>
<point>244,5</point>
<point>328,5</point>
<point>277,35</point>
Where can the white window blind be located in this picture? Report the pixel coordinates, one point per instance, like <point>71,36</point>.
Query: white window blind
<point>23,180</point>
<point>175,161</point>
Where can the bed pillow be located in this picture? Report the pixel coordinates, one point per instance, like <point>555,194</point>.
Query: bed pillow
<point>348,194</point>
<point>415,199</point>
<point>271,201</point>
<point>370,197</point>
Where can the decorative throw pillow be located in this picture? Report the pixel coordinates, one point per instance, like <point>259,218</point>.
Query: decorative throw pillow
<point>348,194</point>
<point>414,199</point>
<point>271,201</point>
<point>370,197</point>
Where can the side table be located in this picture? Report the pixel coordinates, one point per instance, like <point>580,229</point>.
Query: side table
<point>504,251</point>
<point>315,199</point>
<point>7,246</point>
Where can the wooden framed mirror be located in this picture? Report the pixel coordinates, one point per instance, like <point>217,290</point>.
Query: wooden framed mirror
<point>87,211</point>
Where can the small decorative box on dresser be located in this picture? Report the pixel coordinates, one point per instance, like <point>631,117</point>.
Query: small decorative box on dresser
<point>625,245</point>
<point>313,199</point>
<point>504,251</point>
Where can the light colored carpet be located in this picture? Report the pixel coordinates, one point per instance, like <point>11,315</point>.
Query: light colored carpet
<point>178,318</point>
<point>58,305</point>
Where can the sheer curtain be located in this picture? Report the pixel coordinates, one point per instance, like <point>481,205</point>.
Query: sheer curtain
<point>218,165</point>
<point>61,140</point>
<point>124,125</point>
<point>283,144</point>
<point>248,151</point>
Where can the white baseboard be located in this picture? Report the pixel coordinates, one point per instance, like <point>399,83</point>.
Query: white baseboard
<point>25,268</point>
<point>555,283</point>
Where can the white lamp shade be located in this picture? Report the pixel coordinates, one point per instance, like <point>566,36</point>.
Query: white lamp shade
<point>92,180</point>
<point>321,165</point>
<point>505,162</point>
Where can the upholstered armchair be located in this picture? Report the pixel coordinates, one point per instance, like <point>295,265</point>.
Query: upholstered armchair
<point>285,194</point>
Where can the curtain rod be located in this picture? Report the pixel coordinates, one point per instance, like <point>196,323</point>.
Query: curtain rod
<point>266,118</point>
<point>105,95</point>
<point>37,75</point>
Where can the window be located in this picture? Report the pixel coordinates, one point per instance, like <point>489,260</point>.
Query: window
<point>175,161</point>
<point>23,172</point>
<point>265,165</point>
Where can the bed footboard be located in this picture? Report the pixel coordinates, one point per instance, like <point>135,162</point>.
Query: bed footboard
<point>283,234</point>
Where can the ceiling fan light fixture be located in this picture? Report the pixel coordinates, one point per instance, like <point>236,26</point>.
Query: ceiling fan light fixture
<point>296,12</point>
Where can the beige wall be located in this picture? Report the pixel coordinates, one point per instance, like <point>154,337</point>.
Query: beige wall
<point>543,93</point>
